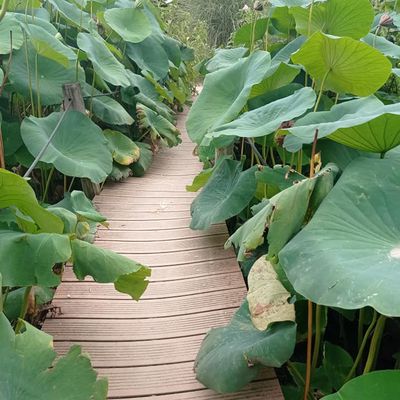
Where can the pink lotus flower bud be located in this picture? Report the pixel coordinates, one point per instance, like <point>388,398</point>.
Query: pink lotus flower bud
<point>386,20</point>
<point>258,6</point>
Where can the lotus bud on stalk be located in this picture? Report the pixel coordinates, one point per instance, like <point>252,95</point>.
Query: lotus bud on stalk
<point>258,6</point>
<point>386,20</point>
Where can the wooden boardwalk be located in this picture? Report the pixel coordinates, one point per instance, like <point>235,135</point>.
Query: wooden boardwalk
<point>147,349</point>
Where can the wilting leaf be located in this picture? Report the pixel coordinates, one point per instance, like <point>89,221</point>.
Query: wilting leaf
<point>267,297</point>
<point>123,149</point>
<point>231,357</point>
<point>78,149</point>
<point>140,167</point>
<point>352,245</point>
<point>107,267</point>
<point>159,127</point>
<point>344,65</point>
<point>226,194</point>
<point>28,365</point>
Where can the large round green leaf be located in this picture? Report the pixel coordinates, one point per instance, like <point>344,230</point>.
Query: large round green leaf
<point>382,385</point>
<point>123,149</point>
<point>29,369</point>
<point>48,46</point>
<point>245,34</point>
<point>344,65</point>
<point>227,193</point>
<point>78,149</point>
<point>336,17</point>
<point>267,119</point>
<point>104,62</point>
<point>72,14</point>
<point>386,47</point>
<point>231,357</point>
<point>149,55</point>
<point>225,93</point>
<point>10,24</point>
<point>363,124</point>
<point>348,256</point>
<point>31,257</point>
<point>15,191</point>
<point>131,24</point>
<point>51,75</point>
<point>224,58</point>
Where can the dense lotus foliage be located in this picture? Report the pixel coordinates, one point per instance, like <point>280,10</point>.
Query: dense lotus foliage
<point>132,77</point>
<point>298,128</point>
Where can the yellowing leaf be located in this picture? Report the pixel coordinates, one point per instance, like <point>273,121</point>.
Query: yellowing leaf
<point>267,296</point>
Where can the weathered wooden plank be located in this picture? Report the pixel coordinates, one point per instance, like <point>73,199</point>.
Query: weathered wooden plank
<point>114,330</point>
<point>156,290</point>
<point>156,308</point>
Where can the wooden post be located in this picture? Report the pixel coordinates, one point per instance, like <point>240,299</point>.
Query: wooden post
<point>73,97</point>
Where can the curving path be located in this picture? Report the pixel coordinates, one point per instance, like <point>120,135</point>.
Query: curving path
<point>147,349</point>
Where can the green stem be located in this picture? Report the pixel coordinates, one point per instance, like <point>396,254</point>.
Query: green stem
<point>3,9</point>
<point>362,347</point>
<point>310,14</point>
<point>46,190</point>
<point>318,335</point>
<point>29,75</point>
<point>253,31</point>
<point>24,309</point>
<point>375,344</point>
<point>39,105</point>
<point>360,331</point>
<point>70,185</point>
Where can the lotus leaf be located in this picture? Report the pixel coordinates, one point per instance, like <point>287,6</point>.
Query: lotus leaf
<point>382,385</point>
<point>224,95</point>
<point>386,47</point>
<point>15,191</point>
<point>123,149</point>
<point>267,297</point>
<point>28,366</point>
<point>336,17</point>
<point>267,119</point>
<point>10,24</point>
<point>72,14</point>
<point>131,24</point>
<point>231,357</point>
<point>106,266</point>
<point>159,127</point>
<point>51,75</point>
<point>31,257</point>
<point>351,247</point>
<point>78,149</point>
<point>226,194</point>
<point>343,65</point>
<point>363,124</point>
<point>104,62</point>
<point>149,55</point>
<point>140,167</point>
<point>244,35</point>
<point>224,58</point>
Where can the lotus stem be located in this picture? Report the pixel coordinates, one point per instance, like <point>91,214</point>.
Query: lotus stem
<point>253,31</point>
<point>24,310</point>
<point>3,9</point>
<point>318,335</point>
<point>46,190</point>
<point>360,332</point>
<point>307,385</point>
<point>375,344</point>
<point>362,347</point>
<point>310,14</point>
